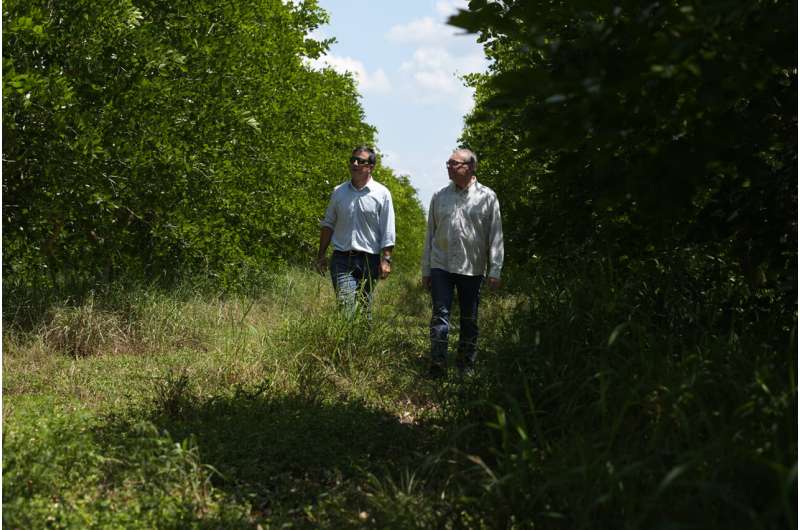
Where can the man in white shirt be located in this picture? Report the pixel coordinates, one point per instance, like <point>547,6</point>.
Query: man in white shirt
<point>359,221</point>
<point>463,242</point>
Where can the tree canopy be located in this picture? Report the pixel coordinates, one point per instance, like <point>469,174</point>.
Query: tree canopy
<point>627,126</point>
<point>154,138</point>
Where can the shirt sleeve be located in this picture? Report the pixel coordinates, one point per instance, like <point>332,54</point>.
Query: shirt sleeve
<point>387,222</point>
<point>496,250</point>
<point>329,221</point>
<point>427,247</point>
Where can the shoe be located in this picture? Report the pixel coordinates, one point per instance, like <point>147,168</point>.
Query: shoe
<point>436,371</point>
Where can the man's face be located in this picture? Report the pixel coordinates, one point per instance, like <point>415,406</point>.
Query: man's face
<point>459,169</point>
<point>359,164</point>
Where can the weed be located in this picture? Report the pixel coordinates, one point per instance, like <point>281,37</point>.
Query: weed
<point>85,331</point>
<point>598,401</point>
<point>62,471</point>
<point>173,394</point>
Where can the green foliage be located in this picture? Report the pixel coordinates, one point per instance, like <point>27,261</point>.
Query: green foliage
<point>615,409</point>
<point>643,398</point>
<point>153,140</point>
<point>639,373</point>
<point>645,159</point>
<point>61,471</point>
<point>627,126</point>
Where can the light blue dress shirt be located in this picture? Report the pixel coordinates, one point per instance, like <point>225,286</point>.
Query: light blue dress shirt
<point>362,219</point>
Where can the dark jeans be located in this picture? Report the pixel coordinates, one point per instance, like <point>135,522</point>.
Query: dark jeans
<point>443,284</point>
<point>354,276</point>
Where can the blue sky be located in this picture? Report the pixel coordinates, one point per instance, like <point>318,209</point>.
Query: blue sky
<point>407,64</point>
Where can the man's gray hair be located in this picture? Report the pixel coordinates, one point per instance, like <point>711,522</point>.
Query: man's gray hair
<point>473,158</point>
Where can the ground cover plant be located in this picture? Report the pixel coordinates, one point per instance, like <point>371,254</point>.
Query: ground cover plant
<point>269,409</point>
<point>265,410</point>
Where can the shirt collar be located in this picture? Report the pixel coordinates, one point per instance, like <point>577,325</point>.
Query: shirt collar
<point>365,188</point>
<point>473,184</point>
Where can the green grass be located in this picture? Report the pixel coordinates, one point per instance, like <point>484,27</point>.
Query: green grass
<point>189,409</point>
<point>180,410</point>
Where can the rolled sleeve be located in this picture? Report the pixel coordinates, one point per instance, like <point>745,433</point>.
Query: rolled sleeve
<point>427,248</point>
<point>496,249</point>
<point>387,222</point>
<point>329,221</point>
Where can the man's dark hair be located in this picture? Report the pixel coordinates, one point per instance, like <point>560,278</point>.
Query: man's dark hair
<point>372,156</point>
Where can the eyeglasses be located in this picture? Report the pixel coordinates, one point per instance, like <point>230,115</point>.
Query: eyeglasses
<point>359,161</point>
<point>456,163</point>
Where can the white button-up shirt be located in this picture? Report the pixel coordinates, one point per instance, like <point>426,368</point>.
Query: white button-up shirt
<point>362,219</point>
<point>465,232</point>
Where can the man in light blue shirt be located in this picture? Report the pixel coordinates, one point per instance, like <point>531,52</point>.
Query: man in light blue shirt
<point>359,221</point>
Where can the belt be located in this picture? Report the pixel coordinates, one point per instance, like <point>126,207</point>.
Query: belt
<point>353,253</point>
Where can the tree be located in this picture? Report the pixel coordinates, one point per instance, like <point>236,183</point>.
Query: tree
<point>154,139</point>
<point>645,125</point>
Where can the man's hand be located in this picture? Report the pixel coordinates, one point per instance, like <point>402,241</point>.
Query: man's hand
<point>321,264</point>
<point>386,268</point>
<point>494,283</point>
<point>426,282</point>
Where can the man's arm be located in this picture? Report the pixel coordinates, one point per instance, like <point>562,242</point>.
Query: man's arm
<point>325,235</point>
<point>426,248</point>
<point>386,261</point>
<point>388,231</point>
<point>496,249</point>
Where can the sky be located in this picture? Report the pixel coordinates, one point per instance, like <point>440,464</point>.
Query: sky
<point>407,63</point>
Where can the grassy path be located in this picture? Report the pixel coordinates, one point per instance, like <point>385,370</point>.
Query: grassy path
<point>184,411</point>
<point>140,409</point>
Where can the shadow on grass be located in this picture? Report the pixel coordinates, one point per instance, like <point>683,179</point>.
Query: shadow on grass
<point>284,454</point>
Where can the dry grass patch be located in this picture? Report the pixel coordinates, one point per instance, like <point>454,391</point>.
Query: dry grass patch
<point>149,325</point>
<point>86,331</point>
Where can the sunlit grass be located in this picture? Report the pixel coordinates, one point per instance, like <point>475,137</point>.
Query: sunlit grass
<point>276,389</point>
<point>209,409</point>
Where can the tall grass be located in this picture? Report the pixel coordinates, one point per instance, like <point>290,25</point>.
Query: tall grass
<point>650,399</point>
<point>259,407</point>
<point>636,402</point>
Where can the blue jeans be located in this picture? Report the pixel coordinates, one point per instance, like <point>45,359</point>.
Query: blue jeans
<point>354,276</point>
<point>443,284</point>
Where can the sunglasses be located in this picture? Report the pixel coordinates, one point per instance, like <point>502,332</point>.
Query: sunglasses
<point>359,161</point>
<point>456,163</point>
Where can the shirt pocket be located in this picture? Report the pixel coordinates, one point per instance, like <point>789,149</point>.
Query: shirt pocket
<point>444,211</point>
<point>478,216</point>
<point>369,209</point>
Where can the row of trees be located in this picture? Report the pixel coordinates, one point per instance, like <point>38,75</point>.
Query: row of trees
<point>632,127</point>
<point>152,138</point>
<point>645,157</point>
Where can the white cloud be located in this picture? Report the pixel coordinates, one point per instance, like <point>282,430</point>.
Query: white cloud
<point>422,30</point>
<point>435,76</point>
<point>376,81</point>
<point>446,8</point>
<point>442,83</point>
<point>394,160</point>
<point>427,58</point>
<point>440,56</point>
<point>440,59</point>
